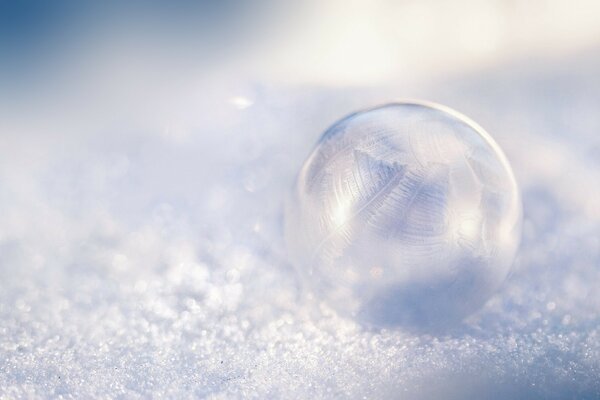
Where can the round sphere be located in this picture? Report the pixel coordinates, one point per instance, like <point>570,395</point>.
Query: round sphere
<point>404,214</point>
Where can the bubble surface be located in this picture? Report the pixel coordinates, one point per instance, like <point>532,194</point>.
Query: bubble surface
<point>404,214</point>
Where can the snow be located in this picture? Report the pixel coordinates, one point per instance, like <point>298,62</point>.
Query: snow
<point>147,260</point>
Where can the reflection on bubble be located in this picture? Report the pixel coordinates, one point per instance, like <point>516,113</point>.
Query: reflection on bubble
<point>405,214</point>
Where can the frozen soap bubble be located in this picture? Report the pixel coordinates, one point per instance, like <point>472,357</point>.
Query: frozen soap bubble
<point>405,214</point>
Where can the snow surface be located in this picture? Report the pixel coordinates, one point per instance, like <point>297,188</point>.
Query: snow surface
<point>147,260</point>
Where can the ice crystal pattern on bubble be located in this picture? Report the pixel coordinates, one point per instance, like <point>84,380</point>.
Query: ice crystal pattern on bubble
<point>405,214</point>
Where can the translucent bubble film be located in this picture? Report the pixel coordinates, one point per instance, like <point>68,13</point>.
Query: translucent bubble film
<point>405,214</point>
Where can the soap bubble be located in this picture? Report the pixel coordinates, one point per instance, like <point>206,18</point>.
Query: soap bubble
<point>405,214</point>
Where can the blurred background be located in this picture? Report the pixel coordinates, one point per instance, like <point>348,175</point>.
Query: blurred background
<point>146,150</point>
